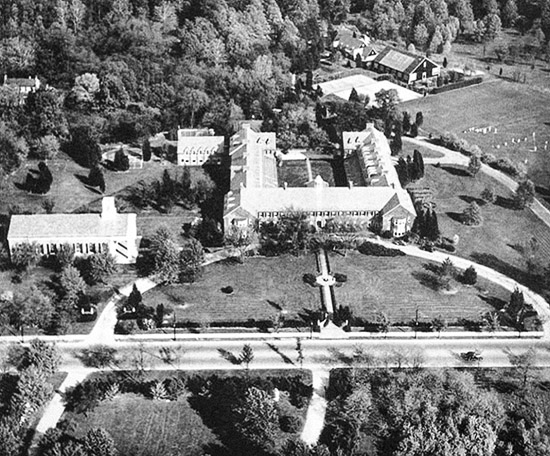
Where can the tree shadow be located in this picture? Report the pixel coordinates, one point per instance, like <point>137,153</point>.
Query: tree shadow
<point>506,203</point>
<point>472,199</point>
<point>285,358</point>
<point>428,279</point>
<point>456,171</point>
<point>85,181</point>
<point>274,305</point>
<point>456,216</point>
<point>491,261</point>
<point>517,247</point>
<point>228,356</point>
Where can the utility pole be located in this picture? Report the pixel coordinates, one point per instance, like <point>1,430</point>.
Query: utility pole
<point>175,324</point>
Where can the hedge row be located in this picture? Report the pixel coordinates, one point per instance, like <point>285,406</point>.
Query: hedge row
<point>370,248</point>
<point>457,85</point>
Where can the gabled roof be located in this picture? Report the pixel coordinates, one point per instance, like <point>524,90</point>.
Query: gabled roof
<point>399,60</point>
<point>52,226</point>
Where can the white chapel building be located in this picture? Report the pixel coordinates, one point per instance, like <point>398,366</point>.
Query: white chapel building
<point>86,233</point>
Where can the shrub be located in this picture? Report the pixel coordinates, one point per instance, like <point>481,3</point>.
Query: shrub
<point>121,161</point>
<point>290,423</point>
<point>340,277</point>
<point>227,290</point>
<point>469,276</point>
<point>458,85</point>
<point>309,278</point>
<point>488,195</point>
<point>125,327</point>
<point>370,248</point>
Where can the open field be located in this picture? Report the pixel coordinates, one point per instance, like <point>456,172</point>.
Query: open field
<point>396,286</point>
<point>515,110</point>
<point>261,287</point>
<point>498,241</point>
<point>143,427</point>
<point>68,191</point>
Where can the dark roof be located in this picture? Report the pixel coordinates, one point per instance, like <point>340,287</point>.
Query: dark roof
<point>399,60</point>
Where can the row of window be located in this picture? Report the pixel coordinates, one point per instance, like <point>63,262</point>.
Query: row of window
<point>79,248</point>
<point>322,213</point>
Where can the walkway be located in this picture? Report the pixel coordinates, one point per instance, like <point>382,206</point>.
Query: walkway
<point>325,280</point>
<point>315,417</point>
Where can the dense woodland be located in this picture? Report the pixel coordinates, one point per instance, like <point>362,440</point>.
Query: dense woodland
<point>121,70</point>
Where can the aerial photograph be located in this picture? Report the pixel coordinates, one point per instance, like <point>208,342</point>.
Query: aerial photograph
<point>274,228</point>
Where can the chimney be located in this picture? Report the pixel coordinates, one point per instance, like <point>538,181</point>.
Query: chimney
<point>108,208</point>
<point>350,184</point>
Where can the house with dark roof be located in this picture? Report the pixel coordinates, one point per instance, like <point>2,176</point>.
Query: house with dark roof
<point>405,66</point>
<point>256,195</point>
<point>108,231</point>
<point>351,43</point>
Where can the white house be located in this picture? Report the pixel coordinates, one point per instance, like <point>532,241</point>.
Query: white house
<point>199,146</point>
<point>86,233</point>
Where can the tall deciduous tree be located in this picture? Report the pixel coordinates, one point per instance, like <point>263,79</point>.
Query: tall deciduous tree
<point>525,194</point>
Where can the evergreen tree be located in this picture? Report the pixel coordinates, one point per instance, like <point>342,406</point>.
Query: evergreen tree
<point>146,150</point>
<point>432,226</point>
<point>469,276</point>
<point>472,215</point>
<point>525,194</point>
<point>419,119</point>
<point>396,144</point>
<point>406,123</point>
<point>418,161</point>
<point>474,165</point>
<point>354,96</point>
<point>402,171</point>
<point>445,62</point>
<point>135,298</point>
<point>96,178</point>
<point>516,307</point>
<point>121,161</point>
<point>414,130</point>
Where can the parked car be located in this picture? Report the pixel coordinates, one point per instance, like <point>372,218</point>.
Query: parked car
<point>471,356</point>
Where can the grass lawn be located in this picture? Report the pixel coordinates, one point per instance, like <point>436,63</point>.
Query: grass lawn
<point>396,287</point>
<point>143,427</point>
<point>516,110</point>
<point>68,192</point>
<point>497,242</point>
<point>294,173</point>
<point>261,286</point>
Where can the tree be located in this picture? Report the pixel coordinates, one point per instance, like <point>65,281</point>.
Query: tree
<point>240,239</point>
<point>354,96</point>
<point>25,255</point>
<point>99,356</point>
<point>39,354</point>
<point>524,363</point>
<point>491,26</point>
<point>488,195</point>
<point>383,322</point>
<point>299,352</point>
<point>146,150</point>
<point>191,257</point>
<point>406,123</point>
<point>474,165</point>
<point>387,101</point>
<point>517,307</point>
<point>32,391</point>
<point>418,162</point>
<point>257,420</point>
<point>469,276</point>
<point>396,144</point>
<point>472,215</point>
<point>419,120</point>
<point>99,266</point>
<point>44,115</point>
<point>447,268</point>
<point>96,178</point>
<point>46,147</point>
<point>525,194</point>
<point>164,261</point>
<point>247,355</point>
<point>121,161</point>
<point>72,285</point>
<point>13,148</point>
<point>84,146</point>
<point>509,13</point>
<point>134,299</point>
<point>64,256</point>
<point>439,324</point>
<point>445,62</point>
<point>48,204</point>
<point>98,442</point>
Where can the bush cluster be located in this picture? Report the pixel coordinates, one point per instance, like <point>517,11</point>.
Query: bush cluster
<point>457,85</point>
<point>370,248</point>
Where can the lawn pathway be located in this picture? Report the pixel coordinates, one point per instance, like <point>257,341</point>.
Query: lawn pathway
<point>315,418</point>
<point>325,280</point>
